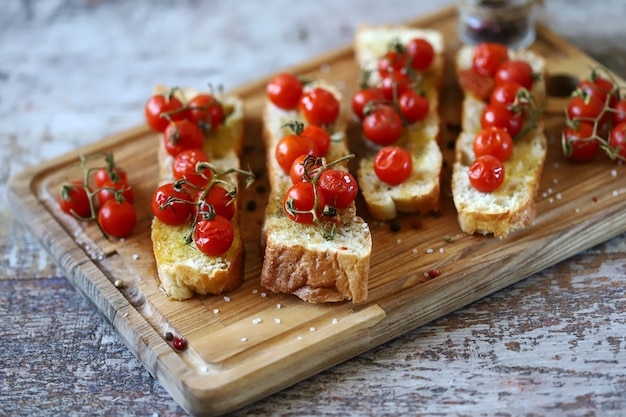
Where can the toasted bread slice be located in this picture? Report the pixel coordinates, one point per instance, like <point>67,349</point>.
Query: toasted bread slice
<point>421,191</point>
<point>512,205</point>
<point>298,259</point>
<point>182,268</point>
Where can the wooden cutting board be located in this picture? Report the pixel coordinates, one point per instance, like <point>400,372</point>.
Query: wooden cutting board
<point>250,343</point>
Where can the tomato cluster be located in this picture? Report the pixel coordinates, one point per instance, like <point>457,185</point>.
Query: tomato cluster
<point>595,119</point>
<point>103,196</point>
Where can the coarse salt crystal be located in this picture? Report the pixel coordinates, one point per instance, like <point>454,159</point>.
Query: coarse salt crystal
<point>244,339</point>
<point>551,200</point>
<point>414,250</point>
<point>277,320</point>
<point>311,329</point>
<point>254,291</point>
<point>335,321</point>
<point>429,250</point>
<point>559,196</point>
<point>440,250</point>
<point>135,256</point>
<point>399,241</point>
<point>279,306</point>
<point>263,294</point>
<point>227,299</point>
<point>256,321</point>
<point>215,311</point>
<point>615,193</point>
<point>614,173</point>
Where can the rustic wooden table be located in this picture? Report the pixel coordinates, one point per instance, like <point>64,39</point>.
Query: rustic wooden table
<point>72,72</point>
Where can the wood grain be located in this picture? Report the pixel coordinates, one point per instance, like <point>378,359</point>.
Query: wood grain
<point>401,297</point>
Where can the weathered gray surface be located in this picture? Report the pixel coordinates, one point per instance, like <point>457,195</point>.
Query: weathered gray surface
<point>72,72</point>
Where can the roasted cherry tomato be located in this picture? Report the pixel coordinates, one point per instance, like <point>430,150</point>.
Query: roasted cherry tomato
<point>182,135</point>
<point>493,141</point>
<point>116,218</point>
<point>413,106</point>
<point>393,62</point>
<point>619,112</point>
<point>578,143</point>
<point>221,199</point>
<point>515,71</point>
<point>205,111</point>
<point>394,85</point>
<point>617,140</point>
<point>299,202</point>
<point>504,93</point>
<point>284,90</point>
<point>363,97</point>
<point>339,187</point>
<point>586,108</point>
<point>488,56</point>
<point>214,236</point>
<point>497,115</point>
<point>383,125</point>
<point>600,88</point>
<point>421,53</point>
<point>73,199</point>
<point>184,166</point>
<point>157,106</point>
<point>177,209</point>
<point>393,165</point>
<point>103,175</point>
<point>320,137</point>
<point>292,146</point>
<point>319,107</point>
<point>486,173</point>
<point>108,190</point>
<point>303,168</point>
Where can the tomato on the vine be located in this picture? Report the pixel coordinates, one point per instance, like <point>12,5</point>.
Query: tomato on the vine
<point>383,125</point>
<point>319,106</point>
<point>73,199</point>
<point>221,199</point>
<point>365,96</point>
<point>488,56</point>
<point>109,188</point>
<point>299,202</point>
<point>394,85</point>
<point>182,135</point>
<point>393,62</point>
<point>184,167</point>
<point>413,106</point>
<point>320,137</point>
<point>493,141</point>
<point>421,53</point>
<point>486,173</point>
<point>578,142</point>
<point>504,93</point>
<point>303,168</point>
<point>617,140</point>
<point>292,146</point>
<point>515,71</point>
<point>103,175</point>
<point>339,187</point>
<point>618,115</point>
<point>584,108</point>
<point>393,165</point>
<point>284,90</point>
<point>205,111</point>
<point>214,236</point>
<point>171,205</point>
<point>116,218</point>
<point>160,104</point>
<point>497,115</point>
<point>600,88</point>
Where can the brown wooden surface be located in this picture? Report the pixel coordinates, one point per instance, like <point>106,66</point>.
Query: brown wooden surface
<point>219,372</point>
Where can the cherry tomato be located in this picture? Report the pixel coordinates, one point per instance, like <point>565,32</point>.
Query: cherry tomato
<point>488,56</point>
<point>117,219</point>
<point>284,90</point>
<point>182,135</point>
<point>413,106</point>
<point>393,62</point>
<point>103,175</point>
<point>504,93</point>
<point>303,168</point>
<point>515,71</point>
<point>578,144</point>
<point>486,174</point>
<point>108,191</point>
<point>394,85</point>
<point>479,85</point>
<point>184,166</point>
<point>175,211</point>
<point>319,107</point>
<point>215,236</point>
<point>383,125</point>
<point>339,187</point>
<point>363,97</point>
<point>421,53</point>
<point>493,141</point>
<point>320,137</point>
<point>599,87</point>
<point>292,146</point>
<point>73,199</point>
<point>393,165</point>
<point>619,115</point>
<point>497,115</point>
<point>586,109</point>
<point>205,111</point>
<point>618,140</point>
<point>221,199</point>
<point>299,202</point>
<point>158,105</point>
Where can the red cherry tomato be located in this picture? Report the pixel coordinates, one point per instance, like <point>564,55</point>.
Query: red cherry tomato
<point>599,87</point>
<point>103,175</point>
<point>303,168</point>
<point>117,219</point>
<point>320,137</point>
<point>493,141</point>
<point>488,56</point>
<point>393,62</point>
<point>319,107</point>
<point>221,199</point>
<point>486,174</point>
<point>504,94</point>
<point>299,202</point>
<point>515,71</point>
<point>182,135</point>
<point>394,85</point>
<point>585,109</point>
<point>175,211</point>
<point>479,85</point>
<point>497,115</point>
<point>109,189</point>
<point>184,167</point>
<point>158,105</point>
<point>578,143</point>
<point>363,97</point>
<point>421,53</point>
<point>284,90</point>
<point>393,165</point>
<point>383,125</point>
<point>339,187</point>
<point>413,106</point>
<point>73,199</point>
<point>619,114</point>
<point>292,146</point>
<point>215,236</point>
<point>617,140</point>
<point>205,111</point>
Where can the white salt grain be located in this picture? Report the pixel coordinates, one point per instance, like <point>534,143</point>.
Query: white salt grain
<point>257,321</point>
<point>244,339</point>
<point>429,250</point>
<point>278,306</point>
<point>277,320</point>
<point>311,329</point>
<point>227,299</point>
<point>335,321</point>
<point>215,311</point>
